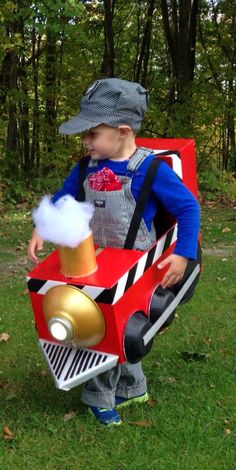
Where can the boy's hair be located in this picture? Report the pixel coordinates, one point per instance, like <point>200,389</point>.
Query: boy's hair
<point>110,101</point>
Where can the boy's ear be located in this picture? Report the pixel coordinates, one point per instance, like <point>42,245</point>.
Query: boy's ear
<point>125,131</point>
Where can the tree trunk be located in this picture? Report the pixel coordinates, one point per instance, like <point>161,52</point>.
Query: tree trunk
<point>180,26</point>
<point>24,107</point>
<point>225,87</point>
<point>35,149</point>
<point>5,73</point>
<point>142,63</point>
<point>108,64</point>
<point>50,89</point>
<point>10,72</point>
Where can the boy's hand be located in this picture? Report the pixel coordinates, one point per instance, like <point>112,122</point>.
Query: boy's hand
<point>35,244</point>
<point>176,270</point>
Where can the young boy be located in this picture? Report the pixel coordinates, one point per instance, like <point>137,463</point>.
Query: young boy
<point>110,114</point>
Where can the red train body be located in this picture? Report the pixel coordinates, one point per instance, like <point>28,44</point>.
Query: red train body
<point>126,289</point>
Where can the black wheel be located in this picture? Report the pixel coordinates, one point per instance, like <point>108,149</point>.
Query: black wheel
<point>161,299</point>
<point>135,329</point>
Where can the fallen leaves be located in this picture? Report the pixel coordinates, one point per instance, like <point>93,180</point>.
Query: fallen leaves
<point>227,431</point>
<point>221,402</point>
<point>4,337</point>
<point>23,261</point>
<point>20,247</point>
<point>7,433</point>
<point>224,351</point>
<point>25,291</point>
<point>227,421</point>
<point>3,384</point>
<point>168,380</point>
<point>207,340</point>
<point>43,373</point>
<point>145,423</point>
<point>152,402</point>
<point>69,416</point>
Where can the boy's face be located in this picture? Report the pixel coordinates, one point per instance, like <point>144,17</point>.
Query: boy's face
<point>104,141</point>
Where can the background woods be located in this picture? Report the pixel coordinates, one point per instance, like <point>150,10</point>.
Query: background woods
<point>183,51</point>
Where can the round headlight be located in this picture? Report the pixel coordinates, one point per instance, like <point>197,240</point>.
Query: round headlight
<point>73,316</point>
<point>61,329</point>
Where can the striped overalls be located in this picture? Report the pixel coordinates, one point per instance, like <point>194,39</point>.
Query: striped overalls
<point>113,213</point>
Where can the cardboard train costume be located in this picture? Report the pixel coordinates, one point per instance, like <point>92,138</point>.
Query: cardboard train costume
<point>94,308</point>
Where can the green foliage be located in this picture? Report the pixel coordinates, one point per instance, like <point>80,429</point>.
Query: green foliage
<point>215,184</point>
<point>14,193</point>
<point>76,29</point>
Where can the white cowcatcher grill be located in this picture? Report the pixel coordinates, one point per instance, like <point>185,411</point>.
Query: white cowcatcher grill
<point>73,366</point>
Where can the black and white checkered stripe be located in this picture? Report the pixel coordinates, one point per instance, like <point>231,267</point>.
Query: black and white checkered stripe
<point>112,295</point>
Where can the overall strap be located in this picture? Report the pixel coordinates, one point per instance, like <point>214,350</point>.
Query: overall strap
<point>140,154</point>
<point>141,203</point>
<point>143,152</point>
<point>144,194</point>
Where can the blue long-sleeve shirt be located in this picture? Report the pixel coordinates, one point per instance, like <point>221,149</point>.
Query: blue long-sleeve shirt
<point>167,188</point>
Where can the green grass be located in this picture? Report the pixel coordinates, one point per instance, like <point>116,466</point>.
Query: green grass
<point>190,421</point>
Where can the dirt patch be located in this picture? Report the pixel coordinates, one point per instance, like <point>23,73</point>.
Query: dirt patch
<point>16,263</point>
<point>19,264</point>
<point>222,251</point>
<point>219,202</point>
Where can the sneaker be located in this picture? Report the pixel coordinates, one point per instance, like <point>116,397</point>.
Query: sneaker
<point>106,416</point>
<point>121,401</point>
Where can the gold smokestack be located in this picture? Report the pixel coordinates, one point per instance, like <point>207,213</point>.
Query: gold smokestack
<point>79,261</point>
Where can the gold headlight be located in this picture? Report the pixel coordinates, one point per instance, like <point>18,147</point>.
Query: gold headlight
<point>72,316</point>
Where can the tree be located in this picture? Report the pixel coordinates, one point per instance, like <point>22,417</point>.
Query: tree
<point>217,34</point>
<point>8,81</point>
<point>108,64</point>
<point>180,27</point>
<point>50,81</point>
<point>50,52</point>
<point>142,58</point>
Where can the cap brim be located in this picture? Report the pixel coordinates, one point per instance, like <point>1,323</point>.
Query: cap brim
<point>77,125</point>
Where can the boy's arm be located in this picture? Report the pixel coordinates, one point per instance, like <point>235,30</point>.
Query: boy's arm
<point>35,244</point>
<point>179,202</point>
<point>176,269</point>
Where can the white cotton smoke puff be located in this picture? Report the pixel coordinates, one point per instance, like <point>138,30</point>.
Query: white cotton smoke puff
<point>64,223</point>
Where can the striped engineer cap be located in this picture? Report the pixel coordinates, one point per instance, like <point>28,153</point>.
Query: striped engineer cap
<point>110,101</point>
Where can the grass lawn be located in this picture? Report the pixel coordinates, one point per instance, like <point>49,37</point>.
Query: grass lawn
<point>189,422</point>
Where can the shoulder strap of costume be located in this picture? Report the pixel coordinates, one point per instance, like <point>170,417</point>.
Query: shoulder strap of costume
<point>82,167</point>
<point>142,201</point>
<point>138,157</point>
